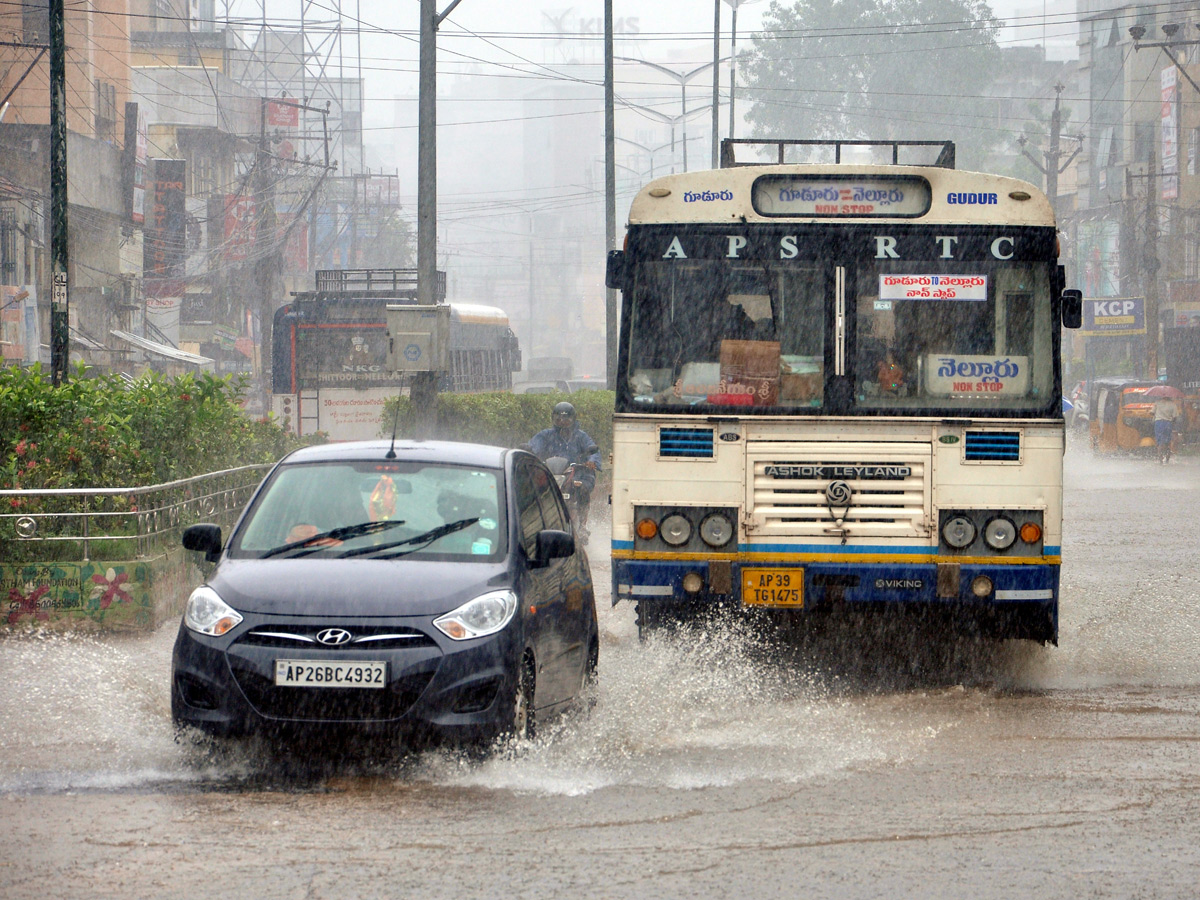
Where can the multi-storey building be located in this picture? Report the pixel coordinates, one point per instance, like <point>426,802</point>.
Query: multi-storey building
<point>97,87</point>
<point>1137,226</point>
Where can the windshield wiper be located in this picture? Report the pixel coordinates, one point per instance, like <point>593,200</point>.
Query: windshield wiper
<point>335,534</point>
<point>427,538</point>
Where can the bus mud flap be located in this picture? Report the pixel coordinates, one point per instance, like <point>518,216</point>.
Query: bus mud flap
<point>948,577</point>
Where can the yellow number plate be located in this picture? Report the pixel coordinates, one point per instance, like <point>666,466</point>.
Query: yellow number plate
<point>773,587</point>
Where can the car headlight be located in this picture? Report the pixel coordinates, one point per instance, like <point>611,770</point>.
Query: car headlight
<point>480,617</point>
<point>208,614</point>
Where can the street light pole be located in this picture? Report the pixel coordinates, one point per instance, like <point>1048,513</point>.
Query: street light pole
<point>649,151</point>
<point>666,120</point>
<point>683,78</point>
<point>1137,32</point>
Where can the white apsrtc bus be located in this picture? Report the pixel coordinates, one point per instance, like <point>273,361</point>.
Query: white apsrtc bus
<point>840,385</point>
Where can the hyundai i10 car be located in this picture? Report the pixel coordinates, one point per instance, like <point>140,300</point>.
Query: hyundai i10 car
<point>430,588</point>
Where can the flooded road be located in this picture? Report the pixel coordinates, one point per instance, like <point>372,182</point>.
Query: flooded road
<point>722,762</point>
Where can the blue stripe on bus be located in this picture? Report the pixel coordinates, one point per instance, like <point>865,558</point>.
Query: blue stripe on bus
<point>872,582</point>
<point>1048,550</point>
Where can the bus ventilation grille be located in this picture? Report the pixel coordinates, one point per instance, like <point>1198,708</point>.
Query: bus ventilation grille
<point>993,446</point>
<point>685,443</point>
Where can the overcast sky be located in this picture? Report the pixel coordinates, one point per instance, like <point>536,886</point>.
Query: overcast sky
<point>554,32</point>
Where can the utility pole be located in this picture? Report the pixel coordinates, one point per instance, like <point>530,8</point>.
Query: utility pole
<point>264,244</point>
<point>1150,268</point>
<point>60,304</point>
<point>716,124</point>
<point>732,67</point>
<point>423,392</point>
<point>1050,165</point>
<point>610,200</point>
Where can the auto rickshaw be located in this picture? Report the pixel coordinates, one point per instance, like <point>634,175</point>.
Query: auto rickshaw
<point>1119,416</point>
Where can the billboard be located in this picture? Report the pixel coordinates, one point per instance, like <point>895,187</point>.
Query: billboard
<point>1170,133</point>
<point>133,164</point>
<point>1113,316</point>
<point>165,243</point>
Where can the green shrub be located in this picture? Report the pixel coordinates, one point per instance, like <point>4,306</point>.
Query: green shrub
<point>107,432</point>
<point>507,420</point>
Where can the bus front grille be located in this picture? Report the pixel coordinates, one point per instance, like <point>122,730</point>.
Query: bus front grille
<point>889,491</point>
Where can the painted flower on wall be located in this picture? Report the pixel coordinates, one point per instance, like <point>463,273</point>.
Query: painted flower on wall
<point>108,588</point>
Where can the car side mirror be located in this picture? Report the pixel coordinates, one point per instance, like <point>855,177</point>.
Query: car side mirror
<point>204,537</point>
<point>1072,308</point>
<point>552,544</point>
<point>614,270</point>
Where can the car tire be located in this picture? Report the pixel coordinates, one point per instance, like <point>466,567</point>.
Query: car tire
<point>592,669</point>
<point>523,723</point>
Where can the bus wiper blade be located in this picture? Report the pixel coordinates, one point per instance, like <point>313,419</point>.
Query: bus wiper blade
<point>335,534</point>
<point>427,538</point>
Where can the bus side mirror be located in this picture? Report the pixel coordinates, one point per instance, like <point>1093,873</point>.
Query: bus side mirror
<point>614,270</point>
<point>1072,308</point>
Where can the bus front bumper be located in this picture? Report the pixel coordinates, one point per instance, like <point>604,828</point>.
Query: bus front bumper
<point>1027,589</point>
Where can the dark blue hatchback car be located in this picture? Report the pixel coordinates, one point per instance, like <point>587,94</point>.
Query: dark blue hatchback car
<point>429,588</point>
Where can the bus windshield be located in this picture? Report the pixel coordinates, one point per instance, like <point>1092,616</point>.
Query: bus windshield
<point>826,334</point>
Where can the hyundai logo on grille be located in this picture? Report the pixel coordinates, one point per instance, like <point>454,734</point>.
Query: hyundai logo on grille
<point>333,636</point>
<point>831,472</point>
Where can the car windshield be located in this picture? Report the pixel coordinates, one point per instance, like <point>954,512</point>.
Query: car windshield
<point>375,509</point>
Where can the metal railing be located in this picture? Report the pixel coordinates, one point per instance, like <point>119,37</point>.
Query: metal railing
<point>124,522</point>
<point>920,153</point>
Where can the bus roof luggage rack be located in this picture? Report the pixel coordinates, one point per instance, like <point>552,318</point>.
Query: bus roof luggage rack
<point>926,153</point>
<point>392,282</point>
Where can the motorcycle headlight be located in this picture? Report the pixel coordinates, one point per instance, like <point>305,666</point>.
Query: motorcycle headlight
<point>208,614</point>
<point>480,617</point>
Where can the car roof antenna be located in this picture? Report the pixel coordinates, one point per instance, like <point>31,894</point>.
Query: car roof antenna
<point>391,454</point>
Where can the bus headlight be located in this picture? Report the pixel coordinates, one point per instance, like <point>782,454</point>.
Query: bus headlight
<point>716,530</point>
<point>675,529</point>
<point>958,532</point>
<point>1000,533</point>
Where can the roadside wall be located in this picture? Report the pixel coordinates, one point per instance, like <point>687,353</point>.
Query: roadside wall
<point>133,595</point>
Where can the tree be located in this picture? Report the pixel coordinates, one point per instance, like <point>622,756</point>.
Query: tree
<point>875,70</point>
<point>391,246</point>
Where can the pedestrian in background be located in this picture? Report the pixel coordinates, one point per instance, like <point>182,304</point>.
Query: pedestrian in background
<point>1166,411</point>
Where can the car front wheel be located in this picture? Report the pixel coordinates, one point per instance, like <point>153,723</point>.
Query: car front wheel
<point>523,723</point>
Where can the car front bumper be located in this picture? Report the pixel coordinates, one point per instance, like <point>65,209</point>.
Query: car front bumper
<point>434,687</point>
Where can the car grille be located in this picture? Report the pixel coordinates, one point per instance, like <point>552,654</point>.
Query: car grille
<point>362,638</point>
<point>331,704</point>
<point>790,480</point>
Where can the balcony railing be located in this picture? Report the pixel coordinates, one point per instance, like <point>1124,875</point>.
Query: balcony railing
<point>118,523</point>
